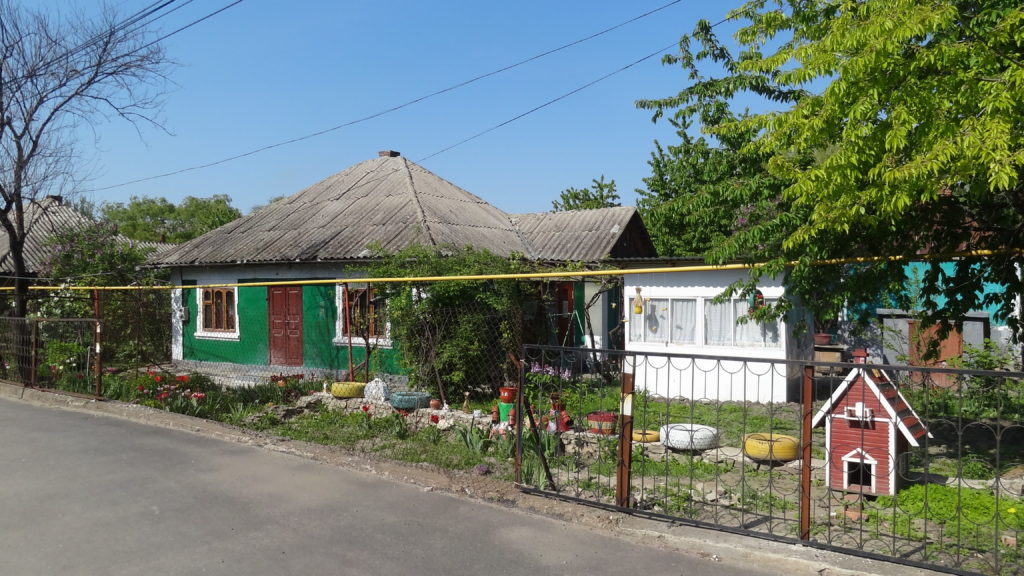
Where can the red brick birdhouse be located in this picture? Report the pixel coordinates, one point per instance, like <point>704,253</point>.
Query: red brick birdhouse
<point>869,428</point>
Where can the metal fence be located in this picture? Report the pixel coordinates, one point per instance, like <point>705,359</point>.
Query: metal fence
<point>915,465</point>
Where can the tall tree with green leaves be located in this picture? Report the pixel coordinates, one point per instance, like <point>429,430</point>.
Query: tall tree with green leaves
<point>601,194</point>
<point>158,220</point>
<point>899,131</point>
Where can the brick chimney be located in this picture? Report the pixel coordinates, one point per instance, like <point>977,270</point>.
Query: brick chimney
<point>860,356</point>
<point>388,154</point>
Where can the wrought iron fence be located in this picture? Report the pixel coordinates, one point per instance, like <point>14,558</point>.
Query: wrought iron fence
<point>916,465</point>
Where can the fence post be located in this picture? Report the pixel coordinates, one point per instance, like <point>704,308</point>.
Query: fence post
<point>97,308</point>
<point>623,479</point>
<point>33,377</point>
<point>807,402</point>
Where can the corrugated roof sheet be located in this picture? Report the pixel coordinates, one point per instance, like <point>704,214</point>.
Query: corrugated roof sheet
<point>43,219</point>
<point>394,203</point>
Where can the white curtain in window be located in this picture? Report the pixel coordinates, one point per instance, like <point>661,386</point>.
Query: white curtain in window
<point>717,323</point>
<point>772,331</point>
<point>656,320</point>
<point>748,333</point>
<point>684,322</point>
<point>636,324</point>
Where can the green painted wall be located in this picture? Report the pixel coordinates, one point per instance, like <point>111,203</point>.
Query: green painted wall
<point>319,313</point>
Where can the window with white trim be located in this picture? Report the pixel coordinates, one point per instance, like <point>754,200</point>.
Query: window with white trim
<point>722,326</point>
<point>663,320</point>
<point>218,312</point>
<point>361,313</point>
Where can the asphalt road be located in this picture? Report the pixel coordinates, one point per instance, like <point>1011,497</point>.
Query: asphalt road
<point>90,494</point>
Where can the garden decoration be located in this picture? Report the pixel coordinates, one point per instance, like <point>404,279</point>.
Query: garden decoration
<point>646,436</point>
<point>689,436</point>
<point>771,447</point>
<point>377,390</point>
<point>409,400</point>
<point>348,389</point>
<point>865,453</point>
<point>601,422</point>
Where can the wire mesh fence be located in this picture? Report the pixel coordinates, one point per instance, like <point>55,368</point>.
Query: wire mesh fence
<point>918,465</point>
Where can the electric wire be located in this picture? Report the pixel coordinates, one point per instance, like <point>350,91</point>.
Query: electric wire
<point>393,108</point>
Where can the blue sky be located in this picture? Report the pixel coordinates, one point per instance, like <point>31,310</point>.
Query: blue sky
<point>266,71</point>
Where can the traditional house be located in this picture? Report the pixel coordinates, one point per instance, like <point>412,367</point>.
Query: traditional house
<point>327,231</point>
<point>869,428</point>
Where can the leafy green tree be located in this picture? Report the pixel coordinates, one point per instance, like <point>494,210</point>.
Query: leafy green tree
<point>601,194</point>
<point>134,321</point>
<point>898,131</point>
<point>145,219</point>
<point>456,337</point>
<point>158,220</point>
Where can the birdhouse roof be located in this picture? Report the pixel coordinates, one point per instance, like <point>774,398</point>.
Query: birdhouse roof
<point>889,396</point>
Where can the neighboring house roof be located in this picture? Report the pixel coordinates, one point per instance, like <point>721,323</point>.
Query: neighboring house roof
<point>586,235</point>
<point>43,219</point>
<point>899,410</point>
<point>394,203</point>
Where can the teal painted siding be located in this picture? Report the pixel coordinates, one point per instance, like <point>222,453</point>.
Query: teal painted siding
<point>319,315</point>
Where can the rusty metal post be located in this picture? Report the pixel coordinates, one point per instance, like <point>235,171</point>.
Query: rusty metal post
<point>97,309</point>
<point>623,479</point>
<point>807,403</point>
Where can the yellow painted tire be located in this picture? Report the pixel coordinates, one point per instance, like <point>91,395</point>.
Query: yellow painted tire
<point>347,389</point>
<point>644,436</point>
<point>771,447</point>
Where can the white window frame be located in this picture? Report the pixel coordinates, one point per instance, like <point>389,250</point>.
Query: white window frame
<point>203,333</point>
<point>341,338</point>
<point>700,327</point>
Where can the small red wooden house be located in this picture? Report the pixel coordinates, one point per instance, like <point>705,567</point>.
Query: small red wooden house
<point>869,427</point>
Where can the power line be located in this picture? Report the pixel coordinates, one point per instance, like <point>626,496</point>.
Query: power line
<point>557,99</point>
<point>394,108</point>
<point>548,103</point>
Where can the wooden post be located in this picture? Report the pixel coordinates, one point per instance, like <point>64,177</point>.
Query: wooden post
<point>623,477</point>
<point>807,402</point>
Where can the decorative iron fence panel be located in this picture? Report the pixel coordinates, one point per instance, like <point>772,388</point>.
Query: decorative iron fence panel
<point>923,466</point>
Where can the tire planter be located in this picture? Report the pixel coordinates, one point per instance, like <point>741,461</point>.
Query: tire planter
<point>645,436</point>
<point>602,422</point>
<point>689,437</point>
<point>409,400</point>
<point>771,447</point>
<point>348,389</point>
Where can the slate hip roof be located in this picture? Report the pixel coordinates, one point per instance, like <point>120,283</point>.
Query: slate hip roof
<point>393,203</point>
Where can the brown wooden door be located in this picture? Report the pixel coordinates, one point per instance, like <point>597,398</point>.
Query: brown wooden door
<point>285,311</point>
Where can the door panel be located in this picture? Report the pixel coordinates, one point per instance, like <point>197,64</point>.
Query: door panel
<point>284,304</point>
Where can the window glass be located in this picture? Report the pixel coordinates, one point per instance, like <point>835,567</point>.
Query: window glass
<point>218,309</point>
<point>684,321</point>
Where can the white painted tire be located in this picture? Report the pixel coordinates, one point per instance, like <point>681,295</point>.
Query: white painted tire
<point>689,437</point>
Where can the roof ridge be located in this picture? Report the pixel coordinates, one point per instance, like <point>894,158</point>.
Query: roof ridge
<point>421,214</point>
